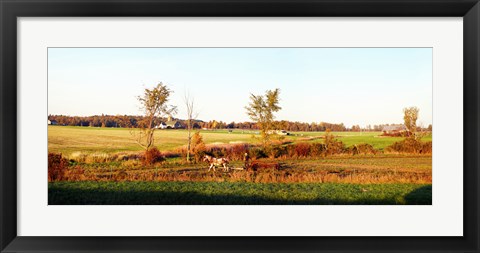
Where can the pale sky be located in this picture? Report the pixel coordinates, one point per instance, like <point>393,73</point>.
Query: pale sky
<point>337,85</point>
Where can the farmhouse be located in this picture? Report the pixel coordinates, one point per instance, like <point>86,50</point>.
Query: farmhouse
<point>162,125</point>
<point>52,122</point>
<point>170,124</point>
<point>394,129</point>
<point>173,124</point>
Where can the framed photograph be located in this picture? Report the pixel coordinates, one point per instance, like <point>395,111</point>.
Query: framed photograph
<point>239,126</point>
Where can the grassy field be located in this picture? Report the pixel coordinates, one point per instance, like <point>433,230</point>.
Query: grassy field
<point>214,193</point>
<point>358,170</point>
<point>107,178</point>
<point>66,139</point>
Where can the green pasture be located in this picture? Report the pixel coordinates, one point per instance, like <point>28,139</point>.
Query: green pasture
<point>67,139</point>
<point>224,193</point>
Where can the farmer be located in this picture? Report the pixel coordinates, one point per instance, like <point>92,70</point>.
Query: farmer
<point>246,160</point>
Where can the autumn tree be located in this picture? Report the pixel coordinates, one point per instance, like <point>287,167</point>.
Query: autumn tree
<point>191,117</point>
<point>154,103</point>
<point>261,109</point>
<point>198,146</point>
<point>410,116</point>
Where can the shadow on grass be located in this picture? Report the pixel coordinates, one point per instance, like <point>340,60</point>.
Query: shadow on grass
<point>420,196</point>
<point>77,196</point>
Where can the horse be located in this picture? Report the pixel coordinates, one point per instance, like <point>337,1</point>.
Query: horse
<point>216,162</point>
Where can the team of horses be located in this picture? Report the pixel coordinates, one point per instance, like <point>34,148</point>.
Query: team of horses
<point>214,162</point>
<point>224,162</point>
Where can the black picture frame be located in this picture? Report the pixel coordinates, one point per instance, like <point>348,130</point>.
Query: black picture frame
<point>10,10</point>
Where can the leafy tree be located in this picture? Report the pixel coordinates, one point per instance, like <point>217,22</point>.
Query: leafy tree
<point>154,102</point>
<point>261,110</point>
<point>410,119</point>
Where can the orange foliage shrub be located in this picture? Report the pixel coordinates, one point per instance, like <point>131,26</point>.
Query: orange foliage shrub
<point>237,151</point>
<point>410,145</point>
<point>152,156</point>
<point>302,149</point>
<point>57,165</point>
<point>198,146</point>
<point>362,149</point>
<point>317,149</point>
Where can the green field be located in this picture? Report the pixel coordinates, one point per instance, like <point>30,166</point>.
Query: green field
<point>66,139</point>
<point>224,193</point>
<point>344,179</point>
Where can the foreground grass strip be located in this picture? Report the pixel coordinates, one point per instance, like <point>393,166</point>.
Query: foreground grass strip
<point>223,193</point>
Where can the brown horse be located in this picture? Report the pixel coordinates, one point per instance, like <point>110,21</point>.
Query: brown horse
<point>214,162</point>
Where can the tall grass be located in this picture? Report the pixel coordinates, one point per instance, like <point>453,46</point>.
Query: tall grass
<point>266,175</point>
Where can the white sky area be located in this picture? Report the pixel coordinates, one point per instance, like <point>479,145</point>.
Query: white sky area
<point>336,85</point>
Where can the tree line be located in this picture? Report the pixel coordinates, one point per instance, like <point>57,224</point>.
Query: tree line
<point>136,121</point>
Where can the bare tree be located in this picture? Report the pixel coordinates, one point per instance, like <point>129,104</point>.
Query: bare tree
<point>154,102</point>
<point>192,115</point>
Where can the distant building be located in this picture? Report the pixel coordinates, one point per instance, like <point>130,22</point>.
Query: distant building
<point>52,122</point>
<point>170,124</point>
<point>173,124</point>
<point>394,129</point>
<point>162,125</point>
<point>279,132</point>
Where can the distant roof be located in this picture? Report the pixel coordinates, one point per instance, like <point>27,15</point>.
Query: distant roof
<point>171,123</point>
<point>394,128</point>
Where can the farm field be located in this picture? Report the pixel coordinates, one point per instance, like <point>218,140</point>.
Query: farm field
<point>216,193</point>
<point>67,139</point>
<point>254,126</point>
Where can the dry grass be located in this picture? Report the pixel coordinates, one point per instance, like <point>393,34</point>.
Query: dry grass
<point>351,176</point>
<point>363,170</point>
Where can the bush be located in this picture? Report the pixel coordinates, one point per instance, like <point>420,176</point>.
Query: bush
<point>317,149</point>
<point>302,149</point>
<point>129,156</point>
<point>257,153</point>
<point>426,147</point>
<point>216,151</point>
<point>332,145</point>
<point>362,149</point>
<point>410,145</point>
<point>57,165</point>
<point>152,156</point>
<point>396,134</point>
<point>237,151</point>
<point>335,147</point>
<point>198,146</point>
<point>277,151</point>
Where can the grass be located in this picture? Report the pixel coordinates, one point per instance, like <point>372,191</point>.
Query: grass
<point>380,169</point>
<point>224,193</point>
<point>67,139</point>
<point>112,173</point>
